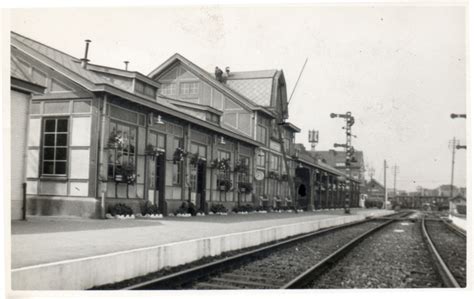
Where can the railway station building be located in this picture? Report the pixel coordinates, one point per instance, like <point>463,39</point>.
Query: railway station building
<point>98,136</point>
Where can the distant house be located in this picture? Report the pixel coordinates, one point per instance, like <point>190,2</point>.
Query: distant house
<point>375,191</point>
<point>457,206</point>
<point>337,159</point>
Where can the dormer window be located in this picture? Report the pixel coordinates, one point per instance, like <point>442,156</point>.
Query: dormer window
<point>145,89</point>
<point>212,117</point>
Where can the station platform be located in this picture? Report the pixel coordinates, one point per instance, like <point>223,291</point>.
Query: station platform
<point>52,253</point>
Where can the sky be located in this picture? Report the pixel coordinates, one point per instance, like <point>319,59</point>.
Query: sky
<point>400,70</point>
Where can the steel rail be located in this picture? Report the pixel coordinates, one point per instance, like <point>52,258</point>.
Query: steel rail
<point>455,229</point>
<point>312,273</point>
<point>443,270</point>
<point>198,272</point>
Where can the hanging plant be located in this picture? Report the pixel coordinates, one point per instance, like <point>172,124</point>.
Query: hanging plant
<point>125,173</point>
<point>273,175</point>
<point>224,184</point>
<point>241,167</point>
<point>178,155</point>
<point>115,140</point>
<point>153,151</point>
<point>214,163</point>
<point>195,159</point>
<point>245,187</point>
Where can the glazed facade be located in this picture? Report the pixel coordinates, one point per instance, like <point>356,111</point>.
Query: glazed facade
<point>98,136</point>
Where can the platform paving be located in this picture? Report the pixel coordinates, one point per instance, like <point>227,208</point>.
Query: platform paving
<point>43,241</point>
<point>49,239</point>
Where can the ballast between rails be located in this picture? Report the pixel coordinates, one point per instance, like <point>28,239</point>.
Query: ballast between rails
<point>193,274</point>
<point>308,276</point>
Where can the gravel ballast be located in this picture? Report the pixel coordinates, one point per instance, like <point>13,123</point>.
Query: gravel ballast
<point>394,257</point>
<point>283,265</point>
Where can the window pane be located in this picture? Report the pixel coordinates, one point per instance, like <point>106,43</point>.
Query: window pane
<point>61,139</point>
<point>50,125</point>
<point>49,139</point>
<point>48,167</point>
<point>161,141</point>
<point>62,125</point>
<point>60,167</point>
<point>48,153</point>
<point>61,154</point>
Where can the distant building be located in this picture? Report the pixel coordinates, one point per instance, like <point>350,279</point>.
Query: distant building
<point>375,191</point>
<point>337,159</point>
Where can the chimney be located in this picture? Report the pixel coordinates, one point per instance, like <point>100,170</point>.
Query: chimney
<point>225,76</point>
<point>126,64</point>
<point>84,60</point>
<point>218,73</point>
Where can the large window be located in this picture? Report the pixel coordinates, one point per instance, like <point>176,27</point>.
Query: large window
<point>199,149</point>
<point>122,144</point>
<point>178,166</point>
<point>259,187</point>
<point>261,134</point>
<point>223,155</point>
<point>275,162</point>
<point>55,146</point>
<point>261,159</point>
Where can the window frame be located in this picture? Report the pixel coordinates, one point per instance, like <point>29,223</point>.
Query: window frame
<point>113,151</point>
<point>54,147</point>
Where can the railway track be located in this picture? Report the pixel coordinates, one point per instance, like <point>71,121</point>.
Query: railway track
<point>287,264</point>
<point>448,247</point>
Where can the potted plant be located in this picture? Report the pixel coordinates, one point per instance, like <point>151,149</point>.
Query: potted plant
<point>195,159</point>
<point>224,184</point>
<point>178,155</point>
<point>153,151</point>
<point>241,167</point>
<point>115,140</point>
<point>273,174</point>
<point>245,187</point>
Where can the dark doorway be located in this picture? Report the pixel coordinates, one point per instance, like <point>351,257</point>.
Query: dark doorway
<point>302,198</point>
<point>160,183</point>
<point>201,187</point>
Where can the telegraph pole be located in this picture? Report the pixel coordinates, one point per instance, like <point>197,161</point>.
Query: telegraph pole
<point>349,153</point>
<point>395,172</point>
<point>453,144</point>
<point>385,197</point>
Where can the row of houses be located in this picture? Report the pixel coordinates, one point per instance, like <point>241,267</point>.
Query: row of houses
<point>86,137</point>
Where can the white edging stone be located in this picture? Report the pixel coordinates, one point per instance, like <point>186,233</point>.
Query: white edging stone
<point>84,273</point>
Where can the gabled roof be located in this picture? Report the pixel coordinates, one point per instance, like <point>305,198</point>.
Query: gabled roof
<point>374,182</point>
<point>306,157</point>
<point>208,78</point>
<point>70,64</point>
<point>255,85</point>
<point>71,68</point>
<point>21,80</point>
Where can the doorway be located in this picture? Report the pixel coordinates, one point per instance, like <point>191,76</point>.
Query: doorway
<point>160,167</point>
<point>201,187</point>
